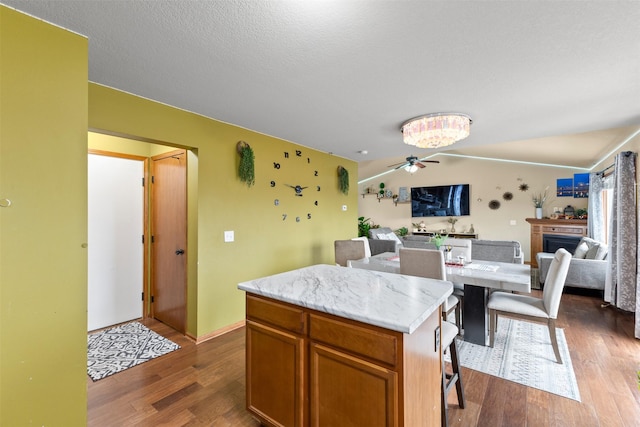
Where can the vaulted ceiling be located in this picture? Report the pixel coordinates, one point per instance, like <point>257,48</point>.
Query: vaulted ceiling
<point>544,81</point>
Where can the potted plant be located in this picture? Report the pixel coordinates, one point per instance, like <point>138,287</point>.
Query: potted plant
<point>438,239</point>
<point>246,169</point>
<point>363,226</point>
<point>402,231</point>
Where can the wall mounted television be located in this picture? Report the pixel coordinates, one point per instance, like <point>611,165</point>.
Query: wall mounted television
<point>440,200</point>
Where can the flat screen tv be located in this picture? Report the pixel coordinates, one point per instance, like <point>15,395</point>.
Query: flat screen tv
<point>440,200</point>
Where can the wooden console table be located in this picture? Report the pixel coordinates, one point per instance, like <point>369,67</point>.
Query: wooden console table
<point>452,235</point>
<point>562,227</point>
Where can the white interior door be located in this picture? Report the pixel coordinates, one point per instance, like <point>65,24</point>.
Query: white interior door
<point>116,204</point>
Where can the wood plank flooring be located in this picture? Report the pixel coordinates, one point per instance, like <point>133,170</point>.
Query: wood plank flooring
<point>204,385</point>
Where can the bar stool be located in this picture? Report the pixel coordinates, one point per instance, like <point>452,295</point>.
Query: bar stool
<point>449,331</point>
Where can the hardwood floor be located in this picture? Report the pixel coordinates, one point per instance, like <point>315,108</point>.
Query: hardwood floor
<point>204,385</point>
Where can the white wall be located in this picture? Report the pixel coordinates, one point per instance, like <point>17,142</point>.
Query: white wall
<point>488,180</point>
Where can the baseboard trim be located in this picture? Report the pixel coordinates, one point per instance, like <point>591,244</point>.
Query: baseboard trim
<point>218,332</point>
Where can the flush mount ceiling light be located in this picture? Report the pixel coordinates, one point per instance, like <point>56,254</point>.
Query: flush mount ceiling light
<point>436,130</point>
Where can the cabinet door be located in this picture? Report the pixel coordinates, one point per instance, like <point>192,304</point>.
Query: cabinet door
<point>276,385</point>
<point>349,392</point>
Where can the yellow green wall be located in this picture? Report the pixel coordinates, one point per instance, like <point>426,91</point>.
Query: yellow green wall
<point>43,264</point>
<point>264,243</point>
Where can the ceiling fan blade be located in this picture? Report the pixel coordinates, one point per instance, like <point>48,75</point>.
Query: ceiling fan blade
<point>430,161</point>
<point>420,165</point>
<point>402,165</point>
<point>397,164</point>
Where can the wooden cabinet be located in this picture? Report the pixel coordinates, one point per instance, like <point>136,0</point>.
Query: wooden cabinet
<point>563,227</point>
<point>307,368</point>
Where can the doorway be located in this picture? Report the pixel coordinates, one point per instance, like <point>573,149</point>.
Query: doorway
<point>169,238</point>
<point>115,229</point>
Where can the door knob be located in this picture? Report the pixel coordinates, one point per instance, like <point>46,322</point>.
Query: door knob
<point>180,252</point>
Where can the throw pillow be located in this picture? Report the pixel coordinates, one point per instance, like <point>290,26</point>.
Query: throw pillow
<point>593,250</point>
<point>393,236</point>
<point>581,250</point>
<point>602,252</point>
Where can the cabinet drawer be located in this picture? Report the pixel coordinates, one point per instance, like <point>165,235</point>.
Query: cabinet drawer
<point>369,343</point>
<point>563,230</point>
<point>277,314</point>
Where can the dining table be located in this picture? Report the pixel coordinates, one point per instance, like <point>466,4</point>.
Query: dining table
<point>479,278</point>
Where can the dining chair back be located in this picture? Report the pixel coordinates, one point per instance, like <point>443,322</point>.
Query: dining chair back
<point>429,263</point>
<point>348,249</point>
<point>531,308</point>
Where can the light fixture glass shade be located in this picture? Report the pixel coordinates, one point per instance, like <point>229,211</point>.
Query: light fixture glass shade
<point>411,168</point>
<point>436,130</point>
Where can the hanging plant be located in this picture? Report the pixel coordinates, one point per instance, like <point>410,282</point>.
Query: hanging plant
<point>246,171</point>
<point>343,180</point>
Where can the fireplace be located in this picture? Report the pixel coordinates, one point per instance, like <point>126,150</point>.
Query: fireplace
<point>553,242</point>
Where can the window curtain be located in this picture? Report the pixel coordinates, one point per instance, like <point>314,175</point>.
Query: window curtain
<point>597,183</point>
<point>622,274</point>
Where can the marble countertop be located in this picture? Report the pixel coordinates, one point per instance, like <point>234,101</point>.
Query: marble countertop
<point>391,301</point>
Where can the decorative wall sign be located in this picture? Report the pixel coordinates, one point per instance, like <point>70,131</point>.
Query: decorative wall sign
<point>403,194</point>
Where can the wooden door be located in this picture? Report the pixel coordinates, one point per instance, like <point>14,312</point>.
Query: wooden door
<point>349,391</point>
<point>115,229</point>
<point>276,381</point>
<point>169,238</point>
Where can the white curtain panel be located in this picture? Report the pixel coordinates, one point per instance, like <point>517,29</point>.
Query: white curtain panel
<point>597,184</point>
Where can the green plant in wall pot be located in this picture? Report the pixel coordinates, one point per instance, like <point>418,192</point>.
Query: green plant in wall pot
<point>343,180</point>
<point>402,231</point>
<point>246,168</point>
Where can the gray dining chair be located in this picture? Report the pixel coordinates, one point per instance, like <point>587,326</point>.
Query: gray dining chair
<point>429,263</point>
<point>530,308</point>
<point>348,249</point>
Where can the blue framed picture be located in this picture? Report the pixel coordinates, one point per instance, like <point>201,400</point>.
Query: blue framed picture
<point>564,187</point>
<point>581,185</point>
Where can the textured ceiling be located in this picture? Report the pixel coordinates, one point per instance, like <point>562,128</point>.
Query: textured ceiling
<point>341,76</point>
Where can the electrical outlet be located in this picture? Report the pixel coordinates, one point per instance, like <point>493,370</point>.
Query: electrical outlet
<point>228,236</point>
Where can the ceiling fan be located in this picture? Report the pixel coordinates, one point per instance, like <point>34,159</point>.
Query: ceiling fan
<point>412,161</point>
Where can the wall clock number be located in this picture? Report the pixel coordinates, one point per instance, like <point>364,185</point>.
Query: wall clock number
<point>308,159</point>
<point>298,153</point>
<point>315,203</point>
<point>276,202</point>
<point>284,216</point>
<point>297,219</point>
<point>315,173</point>
<point>276,165</point>
<point>286,155</point>
<point>318,187</point>
<point>273,183</point>
<point>308,216</point>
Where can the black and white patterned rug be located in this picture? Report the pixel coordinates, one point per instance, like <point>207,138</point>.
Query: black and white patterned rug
<point>522,353</point>
<point>121,347</point>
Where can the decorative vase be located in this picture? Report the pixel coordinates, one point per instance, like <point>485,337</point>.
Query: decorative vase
<point>538,213</point>
<point>472,230</point>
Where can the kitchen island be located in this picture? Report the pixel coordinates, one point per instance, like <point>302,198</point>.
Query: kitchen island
<point>335,346</point>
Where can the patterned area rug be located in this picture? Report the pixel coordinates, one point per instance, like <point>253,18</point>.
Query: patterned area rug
<point>121,347</point>
<point>523,354</point>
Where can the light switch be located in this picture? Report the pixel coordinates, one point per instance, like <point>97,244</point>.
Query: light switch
<point>228,236</point>
<point>512,222</point>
